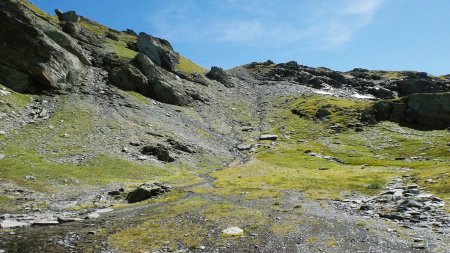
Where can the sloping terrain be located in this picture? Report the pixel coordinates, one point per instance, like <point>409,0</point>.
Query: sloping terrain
<point>301,159</point>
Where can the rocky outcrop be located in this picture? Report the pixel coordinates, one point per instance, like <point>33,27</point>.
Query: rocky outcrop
<point>158,50</point>
<point>431,110</point>
<point>51,61</point>
<point>220,75</point>
<point>142,76</point>
<point>82,34</point>
<point>381,84</point>
<point>410,86</point>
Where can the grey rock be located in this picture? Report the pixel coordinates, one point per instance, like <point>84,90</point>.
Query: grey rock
<point>158,50</point>
<point>112,36</point>
<point>247,128</point>
<point>128,77</point>
<point>130,32</point>
<point>160,151</point>
<point>143,76</point>
<point>220,75</point>
<point>270,137</point>
<point>70,16</point>
<point>45,223</point>
<point>381,92</point>
<point>30,178</point>
<point>322,113</point>
<point>426,110</point>
<point>398,194</point>
<point>242,147</point>
<point>146,191</point>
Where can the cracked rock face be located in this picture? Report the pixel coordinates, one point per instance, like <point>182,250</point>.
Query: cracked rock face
<point>158,50</point>
<point>52,61</point>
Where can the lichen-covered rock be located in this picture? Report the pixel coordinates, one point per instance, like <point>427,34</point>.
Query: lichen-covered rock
<point>158,50</point>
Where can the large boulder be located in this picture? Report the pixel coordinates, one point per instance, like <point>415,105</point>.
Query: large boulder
<point>220,75</point>
<point>147,191</point>
<point>428,110</point>
<point>143,76</point>
<point>158,50</point>
<point>36,55</point>
<point>128,77</point>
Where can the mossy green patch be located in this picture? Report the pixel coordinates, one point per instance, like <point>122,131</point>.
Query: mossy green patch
<point>94,27</point>
<point>187,66</point>
<point>13,101</point>
<point>120,48</point>
<point>99,171</point>
<point>333,110</point>
<point>137,97</point>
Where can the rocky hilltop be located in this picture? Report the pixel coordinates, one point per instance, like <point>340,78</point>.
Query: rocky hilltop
<point>111,141</point>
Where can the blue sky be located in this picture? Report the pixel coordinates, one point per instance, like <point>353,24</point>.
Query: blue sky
<point>339,34</point>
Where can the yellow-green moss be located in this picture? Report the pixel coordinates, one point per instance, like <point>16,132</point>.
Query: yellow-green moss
<point>14,101</point>
<point>187,66</point>
<point>120,48</point>
<point>138,97</point>
<point>38,12</point>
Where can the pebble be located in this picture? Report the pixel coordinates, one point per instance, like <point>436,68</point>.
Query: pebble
<point>233,231</point>
<point>142,158</point>
<point>30,178</point>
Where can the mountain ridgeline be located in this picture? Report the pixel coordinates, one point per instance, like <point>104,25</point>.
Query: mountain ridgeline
<point>111,141</point>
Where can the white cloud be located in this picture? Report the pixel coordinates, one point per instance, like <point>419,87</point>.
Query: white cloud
<point>365,7</point>
<point>262,23</point>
